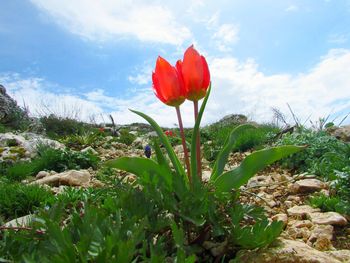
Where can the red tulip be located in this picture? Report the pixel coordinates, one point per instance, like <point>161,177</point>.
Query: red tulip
<point>167,83</point>
<point>169,133</point>
<point>195,74</point>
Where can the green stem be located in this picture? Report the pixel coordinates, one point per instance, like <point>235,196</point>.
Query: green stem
<point>187,160</point>
<point>198,143</point>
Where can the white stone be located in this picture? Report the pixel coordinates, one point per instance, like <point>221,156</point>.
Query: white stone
<point>280,217</point>
<point>328,218</point>
<point>71,178</point>
<point>42,174</point>
<point>19,222</point>
<point>302,210</point>
<point>286,251</point>
<point>308,186</point>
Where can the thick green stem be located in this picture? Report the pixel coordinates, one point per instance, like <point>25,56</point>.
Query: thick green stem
<point>187,160</point>
<point>198,143</point>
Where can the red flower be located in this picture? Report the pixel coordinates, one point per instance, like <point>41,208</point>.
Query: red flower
<point>195,74</point>
<point>169,133</point>
<point>167,83</point>
<point>101,129</point>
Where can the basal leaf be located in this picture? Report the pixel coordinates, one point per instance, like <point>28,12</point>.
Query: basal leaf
<point>173,158</point>
<point>226,150</point>
<point>140,166</point>
<point>252,164</point>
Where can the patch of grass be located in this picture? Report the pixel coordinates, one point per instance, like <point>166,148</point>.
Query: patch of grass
<point>57,127</point>
<point>52,159</point>
<point>17,199</point>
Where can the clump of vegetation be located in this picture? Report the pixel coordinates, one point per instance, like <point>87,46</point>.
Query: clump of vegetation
<point>329,203</point>
<point>51,159</point>
<point>126,137</point>
<point>323,156</point>
<point>339,199</point>
<point>79,141</point>
<point>251,139</point>
<point>17,199</point>
<point>112,225</point>
<point>17,119</point>
<point>57,127</point>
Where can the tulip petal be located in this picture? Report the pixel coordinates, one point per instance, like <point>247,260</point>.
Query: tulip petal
<point>195,73</point>
<point>206,74</point>
<point>167,83</point>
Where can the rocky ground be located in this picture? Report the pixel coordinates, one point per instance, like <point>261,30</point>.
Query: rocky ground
<point>309,235</point>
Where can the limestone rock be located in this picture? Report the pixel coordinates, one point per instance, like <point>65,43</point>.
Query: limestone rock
<point>233,119</point>
<point>328,218</point>
<point>89,149</point>
<point>281,217</point>
<point>321,237</point>
<point>342,133</point>
<point>302,223</point>
<point>286,251</point>
<point>28,141</point>
<point>342,255</point>
<point>19,222</point>
<point>42,174</point>
<point>9,110</point>
<point>302,210</point>
<point>206,175</point>
<point>70,178</point>
<point>308,186</point>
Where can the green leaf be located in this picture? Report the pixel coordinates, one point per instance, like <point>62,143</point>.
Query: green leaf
<point>262,233</point>
<point>194,136</point>
<point>140,166</point>
<point>173,158</point>
<point>160,157</point>
<point>252,164</point>
<point>226,150</point>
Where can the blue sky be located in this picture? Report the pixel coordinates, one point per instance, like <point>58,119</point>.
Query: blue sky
<point>96,57</point>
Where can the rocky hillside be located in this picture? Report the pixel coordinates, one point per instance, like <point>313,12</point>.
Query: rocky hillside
<point>63,178</point>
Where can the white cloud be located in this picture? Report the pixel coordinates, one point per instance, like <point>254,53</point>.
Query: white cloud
<point>225,36</point>
<point>322,90</point>
<point>292,8</point>
<point>34,93</point>
<point>109,19</point>
<point>337,38</point>
<point>142,75</point>
<point>238,87</point>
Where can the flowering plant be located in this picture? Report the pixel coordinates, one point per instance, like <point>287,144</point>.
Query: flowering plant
<point>190,79</point>
<point>200,211</point>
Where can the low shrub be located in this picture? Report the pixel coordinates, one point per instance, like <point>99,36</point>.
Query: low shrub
<point>339,199</point>
<point>126,137</point>
<point>324,155</point>
<point>56,127</point>
<point>52,159</point>
<point>329,203</point>
<point>17,199</point>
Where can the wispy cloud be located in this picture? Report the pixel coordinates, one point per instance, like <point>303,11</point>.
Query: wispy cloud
<point>141,75</point>
<point>292,8</point>
<point>106,20</point>
<point>225,36</point>
<point>337,38</point>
